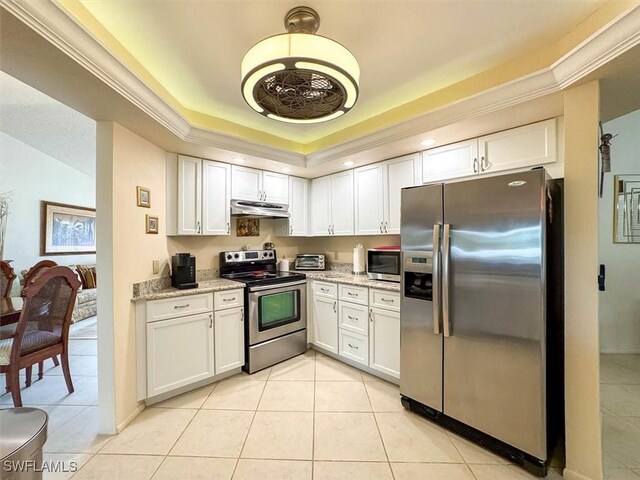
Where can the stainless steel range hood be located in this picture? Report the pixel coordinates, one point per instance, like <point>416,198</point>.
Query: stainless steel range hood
<point>246,208</point>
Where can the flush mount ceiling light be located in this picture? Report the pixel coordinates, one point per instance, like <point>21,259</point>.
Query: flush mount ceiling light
<point>300,77</point>
<point>427,142</point>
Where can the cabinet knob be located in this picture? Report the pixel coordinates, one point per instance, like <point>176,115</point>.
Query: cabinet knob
<point>228,228</point>
<point>210,321</point>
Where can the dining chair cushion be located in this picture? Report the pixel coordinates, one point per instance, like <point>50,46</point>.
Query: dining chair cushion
<point>5,350</point>
<point>32,341</point>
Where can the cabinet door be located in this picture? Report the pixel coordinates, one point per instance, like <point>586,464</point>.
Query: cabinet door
<point>342,203</point>
<point>325,323</point>
<point>397,174</point>
<point>353,317</point>
<point>229,339</point>
<point>526,146</point>
<point>298,206</point>
<point>384,342</point>
<point>246,183</point>
<point>450,161</point>
<point>189,195</point>
<point>275,187</point>
<point>320,206</point>
<point>179,352</point>
<point>368,199</point>
<point>216,195</point>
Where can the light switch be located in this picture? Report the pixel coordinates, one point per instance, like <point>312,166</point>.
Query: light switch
<point>156,266</point>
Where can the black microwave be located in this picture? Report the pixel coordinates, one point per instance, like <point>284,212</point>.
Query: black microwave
<point>384,263</point>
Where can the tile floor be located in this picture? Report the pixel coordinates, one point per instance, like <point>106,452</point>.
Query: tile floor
<point>310,417</point>
<point>620,402</point>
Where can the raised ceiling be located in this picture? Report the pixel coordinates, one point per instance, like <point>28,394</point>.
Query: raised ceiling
<point>406,49</point>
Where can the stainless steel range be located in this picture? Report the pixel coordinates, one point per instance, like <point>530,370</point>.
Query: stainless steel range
<point>275,305</point>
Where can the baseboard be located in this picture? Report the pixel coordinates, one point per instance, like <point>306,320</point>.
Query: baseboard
<point>620,352</point>
<point>571,475</point>
<point>130,418</point>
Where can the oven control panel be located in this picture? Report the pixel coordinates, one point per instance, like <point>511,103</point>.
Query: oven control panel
<point>243,256</point>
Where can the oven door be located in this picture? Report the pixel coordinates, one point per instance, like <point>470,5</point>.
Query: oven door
<point>275,310</point>
<point>384,264</point>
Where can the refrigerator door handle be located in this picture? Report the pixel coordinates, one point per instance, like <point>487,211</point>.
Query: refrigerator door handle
<point>446,325</point>
<point>436,279</point>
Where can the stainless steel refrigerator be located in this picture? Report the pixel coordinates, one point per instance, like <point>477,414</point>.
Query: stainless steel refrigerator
<point>481,313</point>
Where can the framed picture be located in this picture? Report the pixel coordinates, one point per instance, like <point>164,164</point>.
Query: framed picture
<point>144,197</point>
<point>67,229</point>
<point>626,209</point>
<point>248,227</point>
<point>152,224</point>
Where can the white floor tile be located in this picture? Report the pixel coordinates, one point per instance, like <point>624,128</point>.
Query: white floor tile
<point>111,467</point>
<point>52,390</point>
<point>288,396</point>
<point>272,470</point>
<point>623,400</point>
<point>153,432</point>
<point>280,435</point>
<point>302,367</point>
<point>508,472</point>
<point>342,397</point>
<point>473,453</point>
<point>214,433</point>
<point>62,466</point>
<point>384,397</point>
<point>328,369</point>
<point>235,395</point>
<point>347,436</point>
<point>83,347</point>
<point>351,471</point>
<point>175,468</point>
<point>78,435</point>
<point>432,471</point>
<point>194,399</point>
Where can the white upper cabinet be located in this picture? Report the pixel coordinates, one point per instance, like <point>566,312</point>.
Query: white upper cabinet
<point>298,206</point>
<point>342,203</point>
<point>197,196</point>
<point>246,183</point>
<point>216,195</point>
<point>258,185</point>
<point>526,146</point>
<point>321,206</point>
<point>377,194</point>
<point>451,161</point>
<point>521,147</point>
<point>369,199</point>
<point>397,174</point>
<point>275,187</point>
<point>189,195</point>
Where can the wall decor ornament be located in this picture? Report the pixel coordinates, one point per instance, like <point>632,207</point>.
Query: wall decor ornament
<point>143,196</point>
<point>67,229</point>
<point>151,223</point>
<point>626,209</point>
<point>5,199</point>
<point>248,227</point>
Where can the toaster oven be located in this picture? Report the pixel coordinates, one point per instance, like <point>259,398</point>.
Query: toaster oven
<point>310,261</point>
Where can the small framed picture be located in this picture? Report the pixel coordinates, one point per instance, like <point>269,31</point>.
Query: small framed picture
<point>248,227</point>
<point>144,197</point>
<point>152,224</point>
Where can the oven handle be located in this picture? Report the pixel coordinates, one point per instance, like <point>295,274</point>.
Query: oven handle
<point>277,286</point>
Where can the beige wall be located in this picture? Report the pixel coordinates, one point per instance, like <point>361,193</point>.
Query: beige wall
<point>582,374</point>
<point>125,161</point>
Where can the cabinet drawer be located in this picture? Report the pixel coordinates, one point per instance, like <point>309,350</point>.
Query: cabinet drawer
<point>384,299</point>
<point>354,347</point>
<point>354,318</point>
<point>228,299</point>
<point>354,294</point>
<point>325,289</point>
<point>179,306</point>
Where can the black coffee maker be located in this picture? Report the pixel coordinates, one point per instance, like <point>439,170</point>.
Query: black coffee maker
<point>183,271</point>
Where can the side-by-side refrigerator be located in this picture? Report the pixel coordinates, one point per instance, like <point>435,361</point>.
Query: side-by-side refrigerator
<point>481,313</point>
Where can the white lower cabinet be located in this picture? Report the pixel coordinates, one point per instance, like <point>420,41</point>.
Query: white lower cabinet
<point>229,339</point>
<point>353,317</point>
<point>180,351</point>
<point>354,347</point>
<point>325,323</point>
<point>384,341</point>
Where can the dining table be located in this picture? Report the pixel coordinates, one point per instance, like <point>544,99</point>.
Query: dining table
<point>10,308</point>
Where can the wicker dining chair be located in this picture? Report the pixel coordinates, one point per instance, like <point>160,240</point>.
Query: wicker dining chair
<point>29,277</point>
<point>43,327</point>
<point>7,276</point>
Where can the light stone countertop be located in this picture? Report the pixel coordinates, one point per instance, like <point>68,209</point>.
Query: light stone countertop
<point>206,286</point>
<point>350,279</point>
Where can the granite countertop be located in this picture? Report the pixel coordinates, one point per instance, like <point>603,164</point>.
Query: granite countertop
<point>351,279</point>
<point>206,286</point>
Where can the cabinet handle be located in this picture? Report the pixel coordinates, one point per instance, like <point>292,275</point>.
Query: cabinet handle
<point>210,321</point>
<point>352,346</point>
<point>326,290</point>
<point>329,229</point>
<point>352,318</point>
<point>335,307</point>
<point>351,294</point>
<point>484,165</point>
<point>228,228</point>
<point>475,165</point>
<point>388,300</point>
<point>242,314</point>
<point>198,227</point>
<point>386,227</point>
<point>181,306</point>
<point>290,229</point>
<point>333,229</point>
<point>371,315</point>
<point>228,299</point>
<point>380,227</point>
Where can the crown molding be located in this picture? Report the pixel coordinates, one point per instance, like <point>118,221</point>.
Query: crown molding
<point>51,22</point>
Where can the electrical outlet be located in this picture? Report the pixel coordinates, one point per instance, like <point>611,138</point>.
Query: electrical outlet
<point>156,266</point>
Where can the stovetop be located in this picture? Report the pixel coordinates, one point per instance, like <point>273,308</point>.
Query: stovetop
<point>255,267</point>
